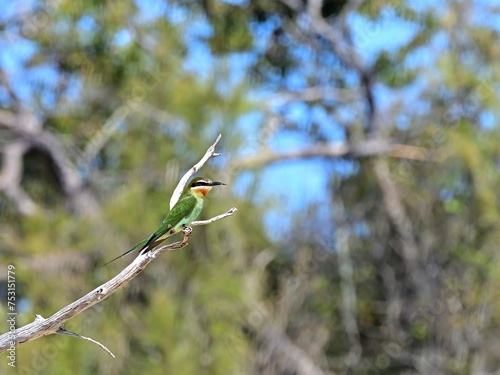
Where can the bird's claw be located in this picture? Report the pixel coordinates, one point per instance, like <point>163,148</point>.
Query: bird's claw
<point>187,230</point>
<point>151,254</point>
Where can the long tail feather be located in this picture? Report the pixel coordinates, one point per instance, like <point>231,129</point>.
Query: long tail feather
<point>141,245</point>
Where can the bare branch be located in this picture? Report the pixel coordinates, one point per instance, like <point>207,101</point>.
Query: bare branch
<point>372,147</point>
<point>11,175</point>
<point>112,124</point>
<point>30,130</point>
<point>215,218</point>
<point>182,183</point>
<point>44,327</point>
<point>62,331</point>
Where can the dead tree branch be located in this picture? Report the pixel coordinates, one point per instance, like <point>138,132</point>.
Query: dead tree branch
<point>372,147</point>
<point>11,175</point>
<point>30,130</point>
<point>182,183</point>
<point>43,327</point>
<point>62,331</point>
<point>215,218</point>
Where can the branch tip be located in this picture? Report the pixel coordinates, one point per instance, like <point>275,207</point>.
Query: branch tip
<point>62,331</point>
<point>215,218</point>
<point>210,153</point>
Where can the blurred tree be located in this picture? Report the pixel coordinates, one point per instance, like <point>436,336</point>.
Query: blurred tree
<point>390,267</point>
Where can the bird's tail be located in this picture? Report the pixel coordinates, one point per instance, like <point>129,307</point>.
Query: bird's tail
<point>141,245</point>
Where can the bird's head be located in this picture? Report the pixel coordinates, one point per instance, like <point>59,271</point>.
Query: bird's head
<point>202,185</point>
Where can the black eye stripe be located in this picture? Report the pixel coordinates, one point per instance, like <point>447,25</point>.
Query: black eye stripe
<point>200,183</point>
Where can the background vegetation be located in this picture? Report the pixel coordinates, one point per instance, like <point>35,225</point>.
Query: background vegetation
<point>343,258</point>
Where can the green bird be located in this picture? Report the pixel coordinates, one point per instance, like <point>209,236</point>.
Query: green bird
<point>184,212</point>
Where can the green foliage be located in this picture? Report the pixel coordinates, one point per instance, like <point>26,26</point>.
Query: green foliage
<point>332,276</point>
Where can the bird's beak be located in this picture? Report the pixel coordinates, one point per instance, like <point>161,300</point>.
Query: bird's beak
<point>215,183</point>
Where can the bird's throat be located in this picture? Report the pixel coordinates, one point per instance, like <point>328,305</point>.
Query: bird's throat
<point>202,190</point>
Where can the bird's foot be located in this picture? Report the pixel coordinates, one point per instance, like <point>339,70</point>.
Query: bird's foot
<point>187,230</point>
<point>150,253</point>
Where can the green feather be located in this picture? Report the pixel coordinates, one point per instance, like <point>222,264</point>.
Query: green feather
<point>139,245</point>
<point>185,211</point>
<point>175,220</point>
<point>180,216</point>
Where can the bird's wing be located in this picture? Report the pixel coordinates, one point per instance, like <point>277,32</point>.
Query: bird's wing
<point>182,208</point>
